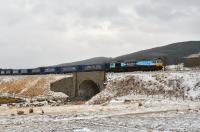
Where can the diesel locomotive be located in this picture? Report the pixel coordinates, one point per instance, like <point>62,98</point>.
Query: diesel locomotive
<point>118,66</point>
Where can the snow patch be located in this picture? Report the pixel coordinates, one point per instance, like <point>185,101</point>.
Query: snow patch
<point>193,55</point>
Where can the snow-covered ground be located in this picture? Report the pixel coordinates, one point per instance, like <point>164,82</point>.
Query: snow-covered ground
<point>193,55</point>
<point>152,115</point>
<point>140,101</point>
<point>182,85</point>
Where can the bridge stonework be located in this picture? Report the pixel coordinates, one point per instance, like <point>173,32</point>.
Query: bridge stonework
<point>82,85</point>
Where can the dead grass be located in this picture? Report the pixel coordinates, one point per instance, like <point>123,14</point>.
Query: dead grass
<point>28,86</point>
<point>16,86</point>
<point>36,89</point>
<point>9,100</point>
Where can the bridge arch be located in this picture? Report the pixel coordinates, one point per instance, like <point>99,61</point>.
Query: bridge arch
<point>87,89</point>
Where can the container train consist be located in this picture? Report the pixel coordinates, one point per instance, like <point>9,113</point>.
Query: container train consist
<point>125,66</point>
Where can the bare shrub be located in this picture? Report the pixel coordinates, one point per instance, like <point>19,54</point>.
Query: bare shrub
<point>20,112</point>
<point>140,104</point>
<point>31,110</point>
<point>42,112</point>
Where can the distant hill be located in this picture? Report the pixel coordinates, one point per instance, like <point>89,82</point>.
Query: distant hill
<point>172,54</point>
<point>96,60</point>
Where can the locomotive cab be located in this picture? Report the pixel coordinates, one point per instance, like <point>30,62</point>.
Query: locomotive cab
<point>158,62</point>
<point>115,66</point>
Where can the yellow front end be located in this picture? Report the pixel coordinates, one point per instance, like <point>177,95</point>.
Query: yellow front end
<point>159,64</point>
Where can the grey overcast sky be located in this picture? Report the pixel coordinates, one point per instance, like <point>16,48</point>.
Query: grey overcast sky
<point>46,32</point>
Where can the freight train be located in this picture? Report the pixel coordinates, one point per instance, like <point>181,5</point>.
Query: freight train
<point>123,66</point>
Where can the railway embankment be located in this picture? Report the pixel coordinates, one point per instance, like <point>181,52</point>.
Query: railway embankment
<point>24,91</point>
<point>163,85</point>
<point>120,87</point>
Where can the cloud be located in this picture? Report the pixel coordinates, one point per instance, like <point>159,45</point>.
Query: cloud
<point>177,16</point>
<point>36,33</point>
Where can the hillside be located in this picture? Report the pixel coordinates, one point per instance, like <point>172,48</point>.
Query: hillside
<point>96,60</point>
<point>172,54</point>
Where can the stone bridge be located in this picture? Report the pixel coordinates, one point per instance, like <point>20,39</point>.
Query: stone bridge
<point>82,85</point>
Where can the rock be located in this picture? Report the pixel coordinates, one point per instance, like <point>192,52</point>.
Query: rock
<point>51,101</point>
<point>26,104</point>
<point>12,105</point>
<point>12,114</point>
<point>55,99</point>
<point>20,112</point>
<point>4,105</point>
<point>59,101</point>
<point>7,95</point>
<point>127,101</point>
<point>140,104</point>
<point>41,99</point>
<point>42,112</point>
<point>31,110</point>
<point>33,100</point>
<point>39,104</point>
<point>59,96</point>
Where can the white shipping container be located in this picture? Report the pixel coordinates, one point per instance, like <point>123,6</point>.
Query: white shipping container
<point>8,71</point>
<point>47,70</point>
<point>35,70</point>
<point>66,69</point>
<point>2,72</point>
<point>24,71</point>
<point>15,71</point>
